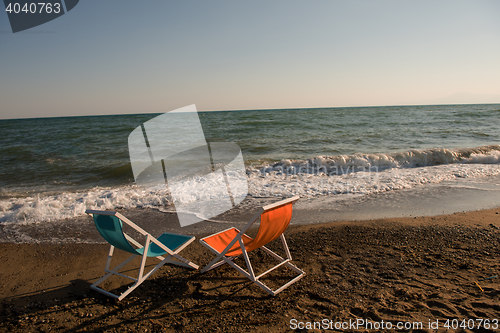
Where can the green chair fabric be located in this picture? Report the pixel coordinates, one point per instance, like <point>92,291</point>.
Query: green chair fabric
<point>110,228</point>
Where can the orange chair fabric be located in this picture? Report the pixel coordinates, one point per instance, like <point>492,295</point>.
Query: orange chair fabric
<point>272,224</point>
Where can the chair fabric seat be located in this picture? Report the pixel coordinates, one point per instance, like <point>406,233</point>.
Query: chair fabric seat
<point>230,243</point>
<point>221,240</point>
<point>110,226</point>
<point>273,223</point>
<point>172,241</point>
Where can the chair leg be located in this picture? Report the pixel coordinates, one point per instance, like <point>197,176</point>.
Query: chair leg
<point>114,271</point>
<point>247,261</point>
<point>144,257</point>
<point>221,259</point>
<point>141,277</point>
<point>213,264</point>
<point>282,262</point>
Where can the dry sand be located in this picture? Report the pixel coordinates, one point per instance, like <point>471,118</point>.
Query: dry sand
<point>391,270</point>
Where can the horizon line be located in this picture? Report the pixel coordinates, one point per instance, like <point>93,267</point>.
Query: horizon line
<point>244,110</point>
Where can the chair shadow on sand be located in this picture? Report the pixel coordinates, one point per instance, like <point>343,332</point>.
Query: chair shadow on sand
<point>173,292</point>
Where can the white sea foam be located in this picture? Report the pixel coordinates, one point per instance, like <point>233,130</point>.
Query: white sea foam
<point>334,175</point>
<point>276,183</point>
<point>70,204</point>
<point>342,164</point>
<point>372,173</point>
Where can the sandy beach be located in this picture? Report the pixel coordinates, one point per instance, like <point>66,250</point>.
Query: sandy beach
<point>395,271</point>
<point>187,117</point>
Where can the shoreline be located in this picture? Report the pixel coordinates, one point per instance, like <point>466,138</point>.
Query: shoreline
<point>419,191</point>
<point>396,269</point>
<point>460,195</point>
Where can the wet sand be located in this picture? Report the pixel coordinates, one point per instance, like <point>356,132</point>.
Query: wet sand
<point>392,270</point>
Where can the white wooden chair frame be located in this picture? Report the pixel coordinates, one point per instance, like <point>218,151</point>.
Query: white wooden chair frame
<point>221,258</point>
<point>141,276</point>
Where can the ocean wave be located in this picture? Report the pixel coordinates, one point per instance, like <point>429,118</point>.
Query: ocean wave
<point>333,175</point>
<point>40,208</point>
<point>278,184</point>
<point>342,164</point>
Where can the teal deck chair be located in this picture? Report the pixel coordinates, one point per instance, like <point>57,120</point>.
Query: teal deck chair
<point>109,225</point>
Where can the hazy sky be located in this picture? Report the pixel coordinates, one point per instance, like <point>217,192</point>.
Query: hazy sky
<point>124,56</point>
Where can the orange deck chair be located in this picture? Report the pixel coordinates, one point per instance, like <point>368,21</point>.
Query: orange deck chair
<point>230,243</point>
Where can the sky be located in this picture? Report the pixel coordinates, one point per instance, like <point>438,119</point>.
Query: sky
<point>124,56</point>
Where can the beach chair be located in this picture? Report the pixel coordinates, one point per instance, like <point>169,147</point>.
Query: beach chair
<point>231,243</point>
<point>110,224</point>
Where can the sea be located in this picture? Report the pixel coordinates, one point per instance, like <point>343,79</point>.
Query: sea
<point>55,168</point>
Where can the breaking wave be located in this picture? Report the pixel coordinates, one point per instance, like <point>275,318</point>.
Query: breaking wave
<point>357,174</point>
<point>342,164</point>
